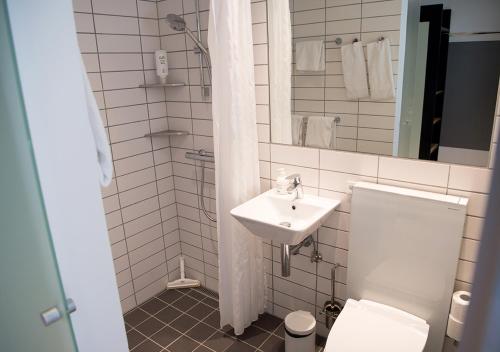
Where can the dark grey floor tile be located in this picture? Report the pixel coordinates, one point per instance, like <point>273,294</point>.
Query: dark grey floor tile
<point>168,314</point>
<point>211,302</point>
<point>153,306</point>
<point>202,348</point>
<point>183,344</point>
<point>213,319</point>
<point>239,346</point>
<point>135,317</point>
<point>280,331</point>
<point>253,336</point>
<point>268,322</point>
<point>148,346</point>
<point>150,326</point>
<point>134,338</point>
<point>183,323</point>
<point>196,295</point>
<point>200,332</point>
<point>165,336</point>
<point>219,341</point>
<point>273,344</point>
<point>169,296</point>
<point>200,311</point>
<point>184,303</point>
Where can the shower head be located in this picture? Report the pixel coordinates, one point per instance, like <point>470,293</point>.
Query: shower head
<point>176,22</point>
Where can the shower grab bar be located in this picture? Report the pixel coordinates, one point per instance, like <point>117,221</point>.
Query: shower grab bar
<point>201,155</point>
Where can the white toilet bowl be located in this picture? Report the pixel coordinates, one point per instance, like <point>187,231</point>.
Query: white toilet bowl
<point>369,326</point>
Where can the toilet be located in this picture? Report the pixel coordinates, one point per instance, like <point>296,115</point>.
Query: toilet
<point>369,326</point>
<point>403,253</point>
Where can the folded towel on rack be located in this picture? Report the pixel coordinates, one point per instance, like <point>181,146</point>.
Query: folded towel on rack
<point>319,131</point>
<point>354,69</point>
<point>297,129</point>
<point>310,55</point>
<point>380,70</point>
<point>103,152</point>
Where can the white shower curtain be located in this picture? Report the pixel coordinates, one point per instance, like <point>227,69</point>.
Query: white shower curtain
<point>280,69</point>
<point>241,272</point>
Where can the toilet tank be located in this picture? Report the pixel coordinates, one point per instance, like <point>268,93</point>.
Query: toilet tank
<point>403,251</point>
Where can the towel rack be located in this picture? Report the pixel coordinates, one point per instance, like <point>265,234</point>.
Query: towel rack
<point>338,40</point>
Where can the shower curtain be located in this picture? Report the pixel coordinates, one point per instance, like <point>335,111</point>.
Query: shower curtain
<point>280,69</point>
<point>241,272</point>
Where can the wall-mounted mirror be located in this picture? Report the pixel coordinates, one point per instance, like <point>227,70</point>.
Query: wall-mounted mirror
<point>408,78</point>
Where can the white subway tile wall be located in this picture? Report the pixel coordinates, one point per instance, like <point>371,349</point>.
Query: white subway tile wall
<point>365,125</point>
<point>117,39</point>
<point>177,179</point>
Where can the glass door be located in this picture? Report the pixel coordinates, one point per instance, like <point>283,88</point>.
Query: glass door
<point>34,311</point>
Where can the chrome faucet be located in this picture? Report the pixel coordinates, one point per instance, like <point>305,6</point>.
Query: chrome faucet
<point>295,186</point>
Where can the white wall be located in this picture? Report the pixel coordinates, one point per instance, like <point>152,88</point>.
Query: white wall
<point>52,86</point>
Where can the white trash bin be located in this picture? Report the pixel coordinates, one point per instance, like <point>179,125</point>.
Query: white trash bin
<point>300,332</point>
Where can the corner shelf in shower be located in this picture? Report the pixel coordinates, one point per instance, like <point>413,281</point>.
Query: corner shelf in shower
<point>167,133</point>
<point>162,85</point>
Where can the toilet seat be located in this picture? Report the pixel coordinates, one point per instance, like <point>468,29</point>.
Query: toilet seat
<point>370,326</point>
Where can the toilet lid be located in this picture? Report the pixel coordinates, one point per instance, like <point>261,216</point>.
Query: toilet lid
<point>369,326</point>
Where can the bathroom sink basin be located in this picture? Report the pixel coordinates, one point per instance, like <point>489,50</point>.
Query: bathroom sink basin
<point>282,219</point>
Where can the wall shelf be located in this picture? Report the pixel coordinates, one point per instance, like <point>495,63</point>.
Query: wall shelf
<point>162,85</point>
<point>167,133</point>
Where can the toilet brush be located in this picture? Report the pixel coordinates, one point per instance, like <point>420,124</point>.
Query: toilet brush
<point>332,308</point>
<point>182,282</point>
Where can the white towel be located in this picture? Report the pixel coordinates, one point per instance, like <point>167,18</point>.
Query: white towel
<point>319,131</point>
<point>103,152</point>
<point>297,129</point>
<point>380,70</point>
<point>354,69</point>
<point>310,55</point>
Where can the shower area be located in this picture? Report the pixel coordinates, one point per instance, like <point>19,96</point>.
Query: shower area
<point>160,136</point>
<point>160,205</point>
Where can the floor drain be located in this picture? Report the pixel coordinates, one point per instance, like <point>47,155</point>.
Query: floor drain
<point>286,224</point>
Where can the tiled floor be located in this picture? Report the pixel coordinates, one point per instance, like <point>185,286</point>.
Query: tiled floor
<point>188,320</point>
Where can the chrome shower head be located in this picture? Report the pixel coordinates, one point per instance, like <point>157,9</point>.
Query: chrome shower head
<point>176,22</point>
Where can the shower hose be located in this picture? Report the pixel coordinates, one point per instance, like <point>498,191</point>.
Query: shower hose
<point>202,196</point>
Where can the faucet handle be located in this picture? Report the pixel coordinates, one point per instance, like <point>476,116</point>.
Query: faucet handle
<point>295,178</point>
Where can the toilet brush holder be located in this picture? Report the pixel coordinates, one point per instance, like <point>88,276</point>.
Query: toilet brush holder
<point>331,311</point>
<point>332,308</point>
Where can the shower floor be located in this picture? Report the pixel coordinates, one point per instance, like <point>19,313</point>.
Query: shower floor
<point>188,320</point>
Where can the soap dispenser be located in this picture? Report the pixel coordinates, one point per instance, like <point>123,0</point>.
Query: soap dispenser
<point>281,181</point>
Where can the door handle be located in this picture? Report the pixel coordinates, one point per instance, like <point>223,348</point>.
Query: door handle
<point>53,314</point>
<point>50,316</point>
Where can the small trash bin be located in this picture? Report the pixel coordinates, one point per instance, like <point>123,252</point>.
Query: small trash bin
<point>300,332</point>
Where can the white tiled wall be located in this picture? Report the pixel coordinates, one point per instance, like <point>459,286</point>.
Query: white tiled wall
<point>365,125</point>
<point>188,110</point>
<point>155,184</point>
<point>117,39</point>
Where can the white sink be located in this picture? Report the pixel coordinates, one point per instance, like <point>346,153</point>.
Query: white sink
<point>281,218</point>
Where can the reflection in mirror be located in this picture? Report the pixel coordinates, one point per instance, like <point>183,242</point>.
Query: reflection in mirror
<point>336,67</point>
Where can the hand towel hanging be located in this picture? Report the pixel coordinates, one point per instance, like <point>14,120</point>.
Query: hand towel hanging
<point>380,70</point>
<point>310,55</point>
<point>354,70</point>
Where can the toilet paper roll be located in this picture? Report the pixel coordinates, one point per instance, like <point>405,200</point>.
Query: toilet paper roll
<point>459,304</point>
<point>454,329</point>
